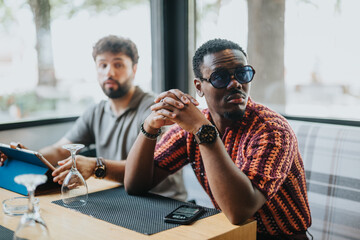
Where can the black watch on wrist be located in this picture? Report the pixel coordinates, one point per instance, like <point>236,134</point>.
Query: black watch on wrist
<point>100,169</point>
<point>206,134</point>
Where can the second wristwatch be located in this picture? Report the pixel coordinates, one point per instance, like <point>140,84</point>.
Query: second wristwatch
<point>100,169</point>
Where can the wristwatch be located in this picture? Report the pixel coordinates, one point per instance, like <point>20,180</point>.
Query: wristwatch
<point>100,169</point>
<point>206,134</point>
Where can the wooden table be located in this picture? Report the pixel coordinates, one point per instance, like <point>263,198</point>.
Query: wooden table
<point>66,224</point>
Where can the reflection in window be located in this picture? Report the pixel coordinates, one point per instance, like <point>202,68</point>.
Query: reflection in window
<point>304,52</point>
<point>48,71</point>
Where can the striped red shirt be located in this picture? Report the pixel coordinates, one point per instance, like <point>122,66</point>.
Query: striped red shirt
<point>264,147</point>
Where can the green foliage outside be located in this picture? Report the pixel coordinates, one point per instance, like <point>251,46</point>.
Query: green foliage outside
<point>26,103</point>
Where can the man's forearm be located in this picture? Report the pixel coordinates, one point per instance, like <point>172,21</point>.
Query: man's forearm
<point>54,154</point>
<point>140,166</point>
<point>232,189</point>
<point>115,170</point>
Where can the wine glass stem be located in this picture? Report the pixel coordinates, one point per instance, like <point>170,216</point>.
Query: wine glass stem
<point>73,154</point>
<point>31,208</point>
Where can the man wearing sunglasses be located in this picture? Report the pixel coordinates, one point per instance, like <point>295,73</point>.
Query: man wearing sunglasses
<point>244,155</point>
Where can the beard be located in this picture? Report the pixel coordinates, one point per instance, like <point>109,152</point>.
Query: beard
<point>119,92</point>
<point>235,115</point>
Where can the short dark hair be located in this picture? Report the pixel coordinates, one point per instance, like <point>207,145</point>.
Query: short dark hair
<point>209,47</point>
<point>115,44</point>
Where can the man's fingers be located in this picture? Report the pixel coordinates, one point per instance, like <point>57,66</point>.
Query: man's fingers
<point>63,162</point>
<point>168,104</point>
<point>17,145</point>
<point>166,113</point>
<point>177,96</point>
<point>65,165</point>
<point>180,95</point>
<point>192,99</point>
<point>184,97</point>
<point>163,95</point>
<point>56,172</point>
<point>3,157</point>
<point>60,177</point>
<point>172,102</point>
<point>173,93</point>
<point>21,146</point>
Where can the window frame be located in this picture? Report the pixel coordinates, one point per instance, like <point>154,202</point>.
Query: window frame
<point>173,34</point>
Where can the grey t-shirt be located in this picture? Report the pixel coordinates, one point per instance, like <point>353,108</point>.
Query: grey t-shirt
<point>113,135</point>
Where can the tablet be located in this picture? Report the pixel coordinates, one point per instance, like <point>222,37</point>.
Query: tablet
<point>24,161</point>
<point>26,155</point>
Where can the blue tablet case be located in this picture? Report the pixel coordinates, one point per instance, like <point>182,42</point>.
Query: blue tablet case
<point>20,161</point>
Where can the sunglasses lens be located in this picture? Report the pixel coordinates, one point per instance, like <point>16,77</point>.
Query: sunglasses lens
<point>220,79</point>
<point>244,74</point>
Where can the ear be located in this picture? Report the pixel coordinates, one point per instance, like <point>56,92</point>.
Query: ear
<point>198,85</point>
<point>134,68</point>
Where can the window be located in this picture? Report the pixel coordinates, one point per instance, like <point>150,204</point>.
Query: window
<point>305,52</point>
<point>24,95</point>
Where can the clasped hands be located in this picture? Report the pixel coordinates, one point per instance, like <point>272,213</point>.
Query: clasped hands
<point>174,106</point>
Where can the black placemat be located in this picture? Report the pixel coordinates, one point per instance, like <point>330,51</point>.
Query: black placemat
<point>143,214</point>
<point>5,233</point>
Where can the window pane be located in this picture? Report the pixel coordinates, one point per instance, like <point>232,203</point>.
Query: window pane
<point>305,51</point>
<point>321,56</point>
<point>23,97</point>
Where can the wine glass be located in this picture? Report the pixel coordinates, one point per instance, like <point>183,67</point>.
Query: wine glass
<point>31,225</point>
<point>74,191</point>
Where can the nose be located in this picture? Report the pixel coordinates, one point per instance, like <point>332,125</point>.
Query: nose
<point>110,71</point>
<point>233,83</point>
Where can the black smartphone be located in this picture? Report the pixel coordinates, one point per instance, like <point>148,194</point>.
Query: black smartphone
<point>185,214</point>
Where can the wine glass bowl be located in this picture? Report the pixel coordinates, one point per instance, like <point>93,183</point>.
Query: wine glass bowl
<point>74,191</point>
<point>31,225</point>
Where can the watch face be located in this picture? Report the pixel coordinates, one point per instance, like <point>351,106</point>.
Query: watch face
<point>207,134</point>
<point>100,172</point>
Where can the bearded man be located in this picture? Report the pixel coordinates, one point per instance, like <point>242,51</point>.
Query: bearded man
<point>112,125</point>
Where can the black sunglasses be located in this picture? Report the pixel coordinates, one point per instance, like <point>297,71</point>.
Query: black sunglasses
<point>222,77</point>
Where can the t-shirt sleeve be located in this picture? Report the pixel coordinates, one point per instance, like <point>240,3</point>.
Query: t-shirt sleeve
<point>144,109</point>
<point>270,156</point>
<point>81,131</point>
<point>171,150</point>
